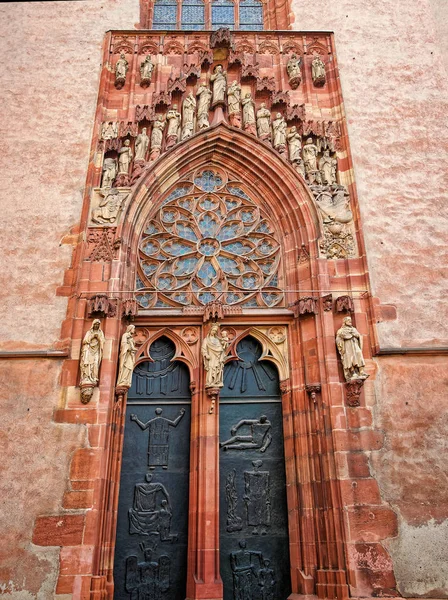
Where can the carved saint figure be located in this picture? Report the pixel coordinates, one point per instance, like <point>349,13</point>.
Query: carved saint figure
<point>279,129</point>
<point>151,512</point>
<point>91,354</point>
<point>349,343</point>
<point>121,68</point>
<point>327,168</point>
<point>173,119</point>
<point>264,122</point>
<point>318,71</point>
<point>213,353</point>
<point>234,98</point>
<point>259,437</point>
<point>309,155</point>
<point>188,110</point>
<point>257,498</point>
<point>249,121</point>
<point>149,579</point>
<point>157,133</point>
<point>205,97</point>
<point>294,72</point>
<point>109,172</point>
<point>108,208</point>
<point>146,69</point>
<point>245,568</point>
<point>266,581</point>
<point>127,358</point>
<point>219,81</point>
<point>159,437</point>
<point>294,144</point>
<point>125,156</point>
<point>141,145</point>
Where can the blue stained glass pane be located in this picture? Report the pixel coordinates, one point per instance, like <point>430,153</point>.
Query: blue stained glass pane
<point>208,204</point>
<point>165,14</point>
<point>223,14</point>
<point>247,216</point>
<point>150,248</point>
<point>151,229</point>
<point>177,249</point>
<point>144,300</point>
<point>231,204</point>
<point>186,232</point>
<point>206,297</point>
<point>249,282</point>
<point>166,282</point>
<point>251,303</point>
<point>228,265</point>
<point>266,247</point>
<point>186,266</point>
<point>181,298</point>
<point>208,181</point>
<point>251,15</point>
<point>139,283</point>
<point>149,269</point>
<point>238,248</point>
<point>185,204</point>
<point>162,304</point>
<point>193,14</point>
<point>228,232</point>
<point>232,298</point>
<point>208,226</point>
<point>238,192</point>
<point>177,193</point>
<point>263,228</point>
<point>271,299</point>
<point>207,273</point>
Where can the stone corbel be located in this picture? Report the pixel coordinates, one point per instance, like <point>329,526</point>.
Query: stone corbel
<point>86,392</point>
<point>101,305</point>
<point>312,391</point>
<point>129,308</point>
<point>353,392</point>
<point>305,306</point>
<point>327,302</point>
<point>345,304</point>
<point>213,394</point>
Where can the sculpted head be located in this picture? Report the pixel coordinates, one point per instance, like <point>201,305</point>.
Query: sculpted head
<point>278,116</point>
<point>148,477</point>
<point>263,419</point>
<point>174,106</point>
<point>309,141</point>
<point>127,142</point>
<point>214,330</point>
<point>144,130</point>
<point>218,68</point>
<point>248,95</point>
<point>158,411</point>
<point>130,329</point>
<point>293,129</point>
<point>242,544</point>
<point>347,321</point>
<point>96,324</point>
<point>263,105</point>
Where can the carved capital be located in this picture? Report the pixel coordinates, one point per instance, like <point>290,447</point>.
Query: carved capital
<point>353,391</point>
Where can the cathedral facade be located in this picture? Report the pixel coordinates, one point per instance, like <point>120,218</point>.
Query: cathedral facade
<point>225,366</point>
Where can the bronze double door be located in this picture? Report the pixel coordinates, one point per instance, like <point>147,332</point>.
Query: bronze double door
<point>152,526</point>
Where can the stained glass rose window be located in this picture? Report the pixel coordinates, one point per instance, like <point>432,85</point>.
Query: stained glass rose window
<point>209,241</point>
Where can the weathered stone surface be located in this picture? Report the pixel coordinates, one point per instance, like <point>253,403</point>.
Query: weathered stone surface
<point>62,530</point>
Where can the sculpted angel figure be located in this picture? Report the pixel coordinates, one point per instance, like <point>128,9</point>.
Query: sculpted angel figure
<point>141,145</point>
<point>128,351</point>
<point>219,81</point>
<point>213,354</point>
<point>91,354</point>
<point>204,94</point>
<point>349,343</point>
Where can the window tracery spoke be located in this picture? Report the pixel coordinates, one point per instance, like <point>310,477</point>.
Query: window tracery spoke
<point>209,241</point>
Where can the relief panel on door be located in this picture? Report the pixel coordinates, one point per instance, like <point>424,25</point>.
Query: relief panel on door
<point>254,544</point>
<point>152,530</point>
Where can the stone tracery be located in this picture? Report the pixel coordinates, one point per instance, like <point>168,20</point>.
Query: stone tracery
<point>209,240</point>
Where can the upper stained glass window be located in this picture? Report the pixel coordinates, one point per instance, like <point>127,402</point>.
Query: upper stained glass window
<point>251,15</point>
<point>209,241</point>
<point>223,14</point>
<point>193,14</point>
<point>165,14</point>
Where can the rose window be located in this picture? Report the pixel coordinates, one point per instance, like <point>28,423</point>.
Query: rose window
<point>209,241</point>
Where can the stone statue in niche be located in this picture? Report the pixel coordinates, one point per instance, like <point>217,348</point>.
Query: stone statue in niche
<point>157,137</point>
<point>128,351</point>
<point>264,122</point>
<point>258,436</point>
<point>349,344</point>
<point>246,565</point>
<point>309,155</point>
<point>109,130</point>
<point>318,71</point>
<point>294,72</point>
<point>107,211</point>
<point>327,168</point>
<point>148,579</point>
<point>146,69</point>
<point>159,437</point>
<point>234,104</point>
<point>257,498</point>
<point>249,120</point>
<point>213,353</point>
<point>110,170</point>
<point>294,144</point>
<point>279,130</point>
<point>90,360</point>
<point>151,513</point>
<point>188,110</point>
<point>219,81</point>
<point>125,156</point>
<point>204,94</point>
<point>173,118</point>
<point>141,145</point>
<point>234,522</point>
<point>121,68</point>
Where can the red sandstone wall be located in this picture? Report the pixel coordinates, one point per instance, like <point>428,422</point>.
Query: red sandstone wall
<point>392,60</point>
<point>394,88</point>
